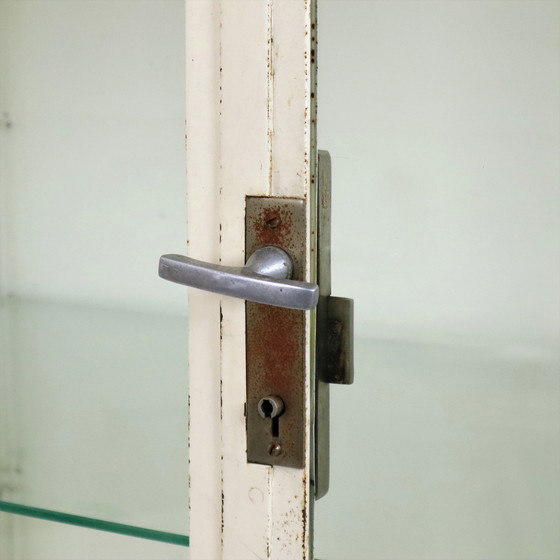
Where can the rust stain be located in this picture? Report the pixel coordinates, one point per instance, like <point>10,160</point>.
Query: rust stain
<point>275,227</point>
<point>276,338</point>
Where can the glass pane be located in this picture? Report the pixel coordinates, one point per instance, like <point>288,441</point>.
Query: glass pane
<point>93,394</point>
<point>442,119</point>
<point>27,538</point>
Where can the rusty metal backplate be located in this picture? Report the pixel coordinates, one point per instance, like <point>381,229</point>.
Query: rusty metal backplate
<point>275,340</point>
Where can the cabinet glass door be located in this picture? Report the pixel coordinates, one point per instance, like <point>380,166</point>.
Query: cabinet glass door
<point>442,120</point>
<point>93,368</point>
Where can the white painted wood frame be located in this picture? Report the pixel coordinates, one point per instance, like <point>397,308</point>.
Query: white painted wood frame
<point>250,131</point>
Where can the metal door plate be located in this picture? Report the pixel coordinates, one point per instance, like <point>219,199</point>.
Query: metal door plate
<point>275,339</point>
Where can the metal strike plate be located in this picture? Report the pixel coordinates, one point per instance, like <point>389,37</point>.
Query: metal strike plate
<point>334,355</point>
<point>275,342</point>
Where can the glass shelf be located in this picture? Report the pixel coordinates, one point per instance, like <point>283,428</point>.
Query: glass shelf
<point>93,364</point>
<point>94,417</point>
<point>89,523</point>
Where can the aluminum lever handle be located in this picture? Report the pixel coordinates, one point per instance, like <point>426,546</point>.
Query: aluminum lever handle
<point>264,279</point>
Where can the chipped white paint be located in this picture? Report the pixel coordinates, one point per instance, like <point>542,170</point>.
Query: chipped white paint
<point>250,131</point>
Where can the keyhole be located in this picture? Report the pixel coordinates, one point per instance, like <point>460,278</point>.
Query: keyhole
<point>267,408</point>
<point>272,407</point>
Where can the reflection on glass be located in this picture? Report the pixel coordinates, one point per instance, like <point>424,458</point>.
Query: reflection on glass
<point>93,388</point>
<point>442,121</point>
<point>99,412</point>
<point>443,451</point>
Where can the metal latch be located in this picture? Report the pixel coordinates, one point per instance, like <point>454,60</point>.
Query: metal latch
<point>277,298</point>
<point>334,356</point>
<point>275,407</point>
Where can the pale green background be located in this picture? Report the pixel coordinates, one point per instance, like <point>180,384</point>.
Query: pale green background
<point>443,121</point>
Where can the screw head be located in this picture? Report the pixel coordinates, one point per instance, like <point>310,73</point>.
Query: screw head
<point>273,222</point>
<point>275,449</point>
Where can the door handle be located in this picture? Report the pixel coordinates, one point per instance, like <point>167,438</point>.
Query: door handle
<point>264,279</point>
